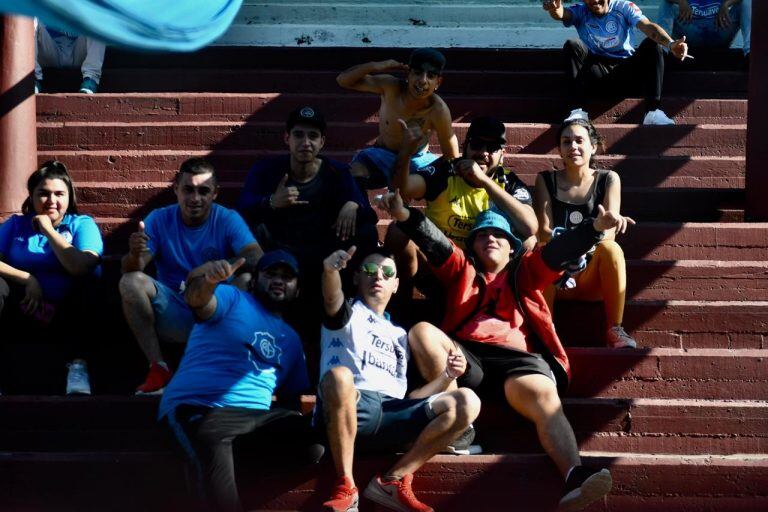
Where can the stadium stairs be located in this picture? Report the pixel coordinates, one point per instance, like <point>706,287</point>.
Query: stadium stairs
<point>682,421</point>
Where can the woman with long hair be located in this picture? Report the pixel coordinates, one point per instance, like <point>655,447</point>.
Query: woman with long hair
<point>47,256</point>
<point>567,197</point>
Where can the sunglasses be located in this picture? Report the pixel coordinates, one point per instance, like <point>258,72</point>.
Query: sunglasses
<point>480,144</point>
<point>372,269</point>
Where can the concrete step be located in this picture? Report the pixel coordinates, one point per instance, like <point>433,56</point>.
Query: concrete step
<point>636,170</point>
<point>679,324</point>
<point>709,84</point>
<point>669,373</point>
<point>625,139</point>
<point>115,423</point>
<point>351,107</point>
<point>91,481</point>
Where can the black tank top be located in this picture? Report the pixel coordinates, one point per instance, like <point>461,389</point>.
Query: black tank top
<point>569,215</point>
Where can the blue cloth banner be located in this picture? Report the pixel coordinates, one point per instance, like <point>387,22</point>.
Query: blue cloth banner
<point>176,25</point>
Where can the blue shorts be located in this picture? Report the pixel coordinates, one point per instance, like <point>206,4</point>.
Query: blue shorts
<point>173,318</point>
<point>383,422</point>
<point>381,162</point>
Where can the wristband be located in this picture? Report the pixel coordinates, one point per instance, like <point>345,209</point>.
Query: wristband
<point>669,44</point>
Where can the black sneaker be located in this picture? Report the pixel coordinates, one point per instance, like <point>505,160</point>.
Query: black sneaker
<point>584,486</point>
<point>462,445</point>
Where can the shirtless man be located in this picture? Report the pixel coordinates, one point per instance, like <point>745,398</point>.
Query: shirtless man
<point>413,100</point>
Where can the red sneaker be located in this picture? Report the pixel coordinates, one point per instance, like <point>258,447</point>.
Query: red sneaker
<point>396,495</point>
<point>344,498</point>
<point>157,378</point>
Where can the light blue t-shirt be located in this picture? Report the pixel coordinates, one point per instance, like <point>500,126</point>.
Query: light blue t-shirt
<point>178,248</point>
<point>237,358</point>
<point>27,250</point>
<point>607,35</point>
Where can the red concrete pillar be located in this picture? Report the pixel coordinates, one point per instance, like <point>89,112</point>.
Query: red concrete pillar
<point>757,118</point>
<point>18,138</point>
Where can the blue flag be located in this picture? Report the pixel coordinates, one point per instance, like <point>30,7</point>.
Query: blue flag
<point>180,25</point>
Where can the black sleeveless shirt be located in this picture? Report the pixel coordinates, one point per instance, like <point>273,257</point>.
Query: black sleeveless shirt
<point>569,215</point>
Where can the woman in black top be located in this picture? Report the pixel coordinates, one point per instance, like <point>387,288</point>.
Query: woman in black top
<point>567,197</point>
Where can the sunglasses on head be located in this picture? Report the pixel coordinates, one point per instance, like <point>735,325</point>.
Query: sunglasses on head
<point>372,269</point>
<point>480,144</point>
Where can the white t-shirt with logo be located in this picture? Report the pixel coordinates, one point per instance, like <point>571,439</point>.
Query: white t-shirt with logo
<point>371,346</point>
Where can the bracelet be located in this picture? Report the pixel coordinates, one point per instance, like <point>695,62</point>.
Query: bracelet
<point>670,43</point>
<point>448,375</point>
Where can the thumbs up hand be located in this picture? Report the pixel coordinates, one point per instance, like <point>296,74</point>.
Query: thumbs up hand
<point>137,243</point>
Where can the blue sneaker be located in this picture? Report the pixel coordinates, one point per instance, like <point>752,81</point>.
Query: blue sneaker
<point>89,86</point>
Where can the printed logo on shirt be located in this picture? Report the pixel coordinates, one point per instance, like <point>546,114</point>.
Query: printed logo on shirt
<point>334,361</point>
<point>522,194</point>
<point>336,343</point>
<point>575,217</point>
<point>264,348</point>
<point>611,27</point>
<point>460,223</point>
<point>430,169</point>
<point>606,42</point>
<point>705,11</point>
<point>634,7</point>
<point>66,234</point>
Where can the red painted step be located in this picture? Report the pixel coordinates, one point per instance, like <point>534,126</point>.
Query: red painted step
<point>121,199</point>
<point>351,107</point>
<point>490,81</point>
<point>114,423</point>
<point>96,481</point>
<point>717,140</point>
<point>669,324</point>
<point>233,165</point>
<point>669,373</point>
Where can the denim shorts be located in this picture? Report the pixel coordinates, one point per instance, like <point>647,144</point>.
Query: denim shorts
<point>381,162</point>
<point>383,422</point>
<point>173,318</point>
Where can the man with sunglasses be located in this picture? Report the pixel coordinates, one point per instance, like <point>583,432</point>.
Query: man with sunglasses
<point>362,401</point>
<point>456,191</point>
<point>413,100</point>
<point>500,320</point>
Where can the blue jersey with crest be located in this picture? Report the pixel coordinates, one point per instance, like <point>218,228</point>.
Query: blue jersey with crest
<point>237,358</point>
<point>608,35</point>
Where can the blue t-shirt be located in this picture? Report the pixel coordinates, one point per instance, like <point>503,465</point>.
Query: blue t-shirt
<point>25,249</point>
<point>178,248</point>
<point>608,35</point>
<point>237,358</point>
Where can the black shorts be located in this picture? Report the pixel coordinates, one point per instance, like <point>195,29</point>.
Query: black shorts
<point>488,366</point>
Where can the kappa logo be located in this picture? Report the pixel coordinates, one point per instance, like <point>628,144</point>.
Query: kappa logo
<point>307,112</point>
<point>334,361</point>
<point>336,343</point>
<point>264,347</point>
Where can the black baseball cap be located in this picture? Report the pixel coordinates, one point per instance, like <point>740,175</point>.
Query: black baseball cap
<point>306,115</point>
<point>427,59</point>
<point>487,128</point>
<point>277,257</point>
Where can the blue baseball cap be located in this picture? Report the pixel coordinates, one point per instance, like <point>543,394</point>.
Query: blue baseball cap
<point>278,257</point>
<point>495,220</point>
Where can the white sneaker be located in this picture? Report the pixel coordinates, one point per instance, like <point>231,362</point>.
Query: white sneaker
<point>617,337</point>
<point>657,117</point>
<point>577,113</point>
<point>77,378</point>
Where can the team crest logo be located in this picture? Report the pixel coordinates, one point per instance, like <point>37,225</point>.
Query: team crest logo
<point>264,347</point>
<point>66,235</point>
<point>611,27</point>
<point>521,194</point>
<point>307,112</point>
<point>575,217</point>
